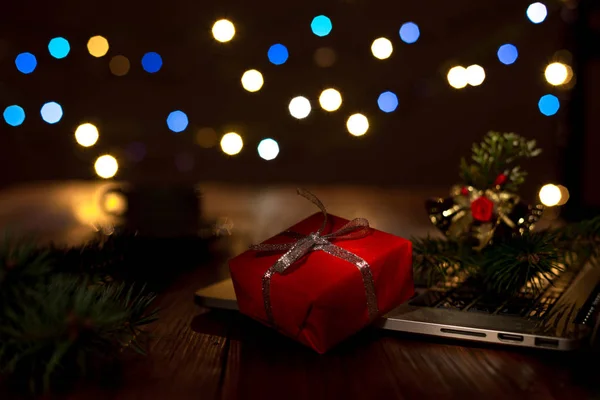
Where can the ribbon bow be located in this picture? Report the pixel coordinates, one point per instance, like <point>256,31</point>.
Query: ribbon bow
<point>316,241</point>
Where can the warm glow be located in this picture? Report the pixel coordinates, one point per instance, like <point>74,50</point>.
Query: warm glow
<point>299,107</point>
<point>475,75</point>
<point>357,125</point>
<point>106,166</point>
<point>458,77</point>
<point>86,135</point>
<point>98,46</point>
<point>382,48</point>
<point>252,80</point>
<point>268,149</point>
<point>115,203</point>
<point>330,100</point>
<point>550,195</point>
<point>223,30</point>
<point>231,143</point>
<point>557,74</point>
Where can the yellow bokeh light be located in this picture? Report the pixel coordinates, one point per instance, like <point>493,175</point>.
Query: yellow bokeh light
<point>115,203</point>
<point>98,46</point>
<point>231,143</point>
<point>330,100</point>
<point>223,30</point>
<point>299,107</point>
<point>86,135</point>
<point>119,65</point>
<point>458,77</point>
<point>106,166</point>
<point>557,74</point>
<point>550,195</point>
<point>382,48</point>
<point>475,75</point>
<point>357,124</point>
<point>252,80</point>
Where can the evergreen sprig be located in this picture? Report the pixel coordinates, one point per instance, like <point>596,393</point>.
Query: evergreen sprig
<point>435,258</point>
<point>495,155</point>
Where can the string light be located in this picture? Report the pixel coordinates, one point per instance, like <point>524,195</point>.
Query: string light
<point>106,166</point>
<point>330,100</point>
<point>51,112</point>
<point>321,25</point>
<point>475,75</point>
<point>152,62</point>
<point>550,195</point>
<point>86,135</point>
<point>507,54</point>
<point>299,107</point>
<point>409,32</point>
<point>537,12</point>
<point>558,74</point>
<point>177,121</point>
<point>382,48</point>
<point>268,149</point>
<point>98,46</point>
<point>458,77</point>
<point>223,30</point>
<point>119,65</point>
<point>387,102</point>
<point>357,124</point>
<point>549,105</point>
<point>59,47</point>
<point>231,143</point>
<point>278,54</point>
<point>252,80</point>
<point>14,115</point>
<point>26,63</point>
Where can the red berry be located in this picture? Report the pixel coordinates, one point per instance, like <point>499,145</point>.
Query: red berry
<point>464,191</point>
<point>500,180</point>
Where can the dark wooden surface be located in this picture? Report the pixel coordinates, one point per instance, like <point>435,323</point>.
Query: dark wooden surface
<point>202,354</point>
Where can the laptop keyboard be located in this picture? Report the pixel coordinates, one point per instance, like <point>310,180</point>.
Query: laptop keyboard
<point>466,295</point>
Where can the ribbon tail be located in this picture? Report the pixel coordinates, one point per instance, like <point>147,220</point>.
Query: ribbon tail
<point>315,200</point>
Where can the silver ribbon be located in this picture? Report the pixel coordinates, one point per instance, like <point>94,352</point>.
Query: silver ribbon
<point>316,241</point>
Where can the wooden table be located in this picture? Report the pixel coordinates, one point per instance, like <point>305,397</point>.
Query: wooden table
<point>202,354</point>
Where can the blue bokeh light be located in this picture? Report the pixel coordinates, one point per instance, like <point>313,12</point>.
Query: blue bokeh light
<point>59,47</point>
<point>409,32</point>
<point>278,54</point>
<point>549,105</point>
<point>152,62</point>
<point>321,25</point>
<point>387,102</point>
<point>177,121</point>
<point>507,54</point>
<point>14,115</point>
<point>51,112</point>
<point>26,63</point>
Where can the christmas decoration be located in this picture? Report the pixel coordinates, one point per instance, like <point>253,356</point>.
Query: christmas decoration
<point>332,279</point>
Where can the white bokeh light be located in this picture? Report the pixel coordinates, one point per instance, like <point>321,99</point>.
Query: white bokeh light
<point>86,135</point>
<point>268,149</point>
<point>475,75</point>
<point>537,12</point>
<point>106,166</point>
<point>223,30</point>
<point>330,100</point>
<point>252,80</point>
<point>231,143</point>
<point>556,74</point>
<point>300,107</point>
<point>382,48</point>
<point>357,124</point>
<point>550,195</point>
<point>458,77</point>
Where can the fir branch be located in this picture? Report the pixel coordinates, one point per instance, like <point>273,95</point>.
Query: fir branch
<point>435,259</point>
<point>579,241</point>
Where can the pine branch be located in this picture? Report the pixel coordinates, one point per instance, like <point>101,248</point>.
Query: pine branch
<point>435,259</point>
<point>580,241</point>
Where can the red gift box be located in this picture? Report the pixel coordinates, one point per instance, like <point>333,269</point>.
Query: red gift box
<point>321,299</point>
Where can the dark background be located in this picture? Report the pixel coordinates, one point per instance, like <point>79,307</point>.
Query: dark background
<point>419,144</point>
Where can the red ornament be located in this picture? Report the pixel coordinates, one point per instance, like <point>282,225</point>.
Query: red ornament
<point>482,209</point>
<point>500,180</point>
<point>464,191</point>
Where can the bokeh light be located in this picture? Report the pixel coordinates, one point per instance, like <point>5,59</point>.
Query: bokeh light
<point>278,54</point>
<point>299,107</point>
<point>231,143</point>
<point>106,166</point>
<point>321,25</point>
<point>537,12</point>
<point>325,57</point>
<point>558,73</point>
<point>357,124</point>
<point>206,138</point>
<point>507,54</point>
<point>177,121</point>
<point>98,46</point>
<point>152,62</point>
<point>252,80</point>
<point>550,195</point>
<point>26,63</point>
<point>115,203</point>
<point>86,135</point>
<point>382,48</point>
<point>458,77</point>
<point>223,30</point>
<point>564,195</point>
<point>549,105</point>
<point>409,32</point>
<point>59,47</point>
<point>475,75</point>
<point>119,65</point>
<point>330,100</point>
<point>51,112</point>
<point>14,115</point>
<point>268,149</point>
<point>387,102</point>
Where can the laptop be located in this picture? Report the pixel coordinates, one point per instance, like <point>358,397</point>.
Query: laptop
<point>562,318</point>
